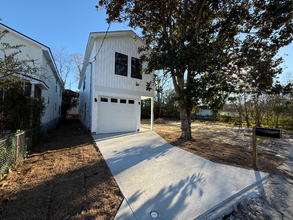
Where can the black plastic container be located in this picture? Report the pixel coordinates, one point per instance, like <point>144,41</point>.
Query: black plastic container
<point>269,132</point>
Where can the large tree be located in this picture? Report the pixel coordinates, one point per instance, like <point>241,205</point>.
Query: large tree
<point>202,44</point>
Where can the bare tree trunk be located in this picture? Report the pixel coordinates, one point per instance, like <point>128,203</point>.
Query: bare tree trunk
<point>185,117</point>
<point>277,122</point>
<point>185,113</point>
<point>246,116</point>
<point>160,104</point>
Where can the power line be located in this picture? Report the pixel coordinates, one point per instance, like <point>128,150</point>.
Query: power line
<point>102,42</point>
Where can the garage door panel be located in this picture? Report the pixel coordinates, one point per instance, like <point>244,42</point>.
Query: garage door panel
<point>116,117</point>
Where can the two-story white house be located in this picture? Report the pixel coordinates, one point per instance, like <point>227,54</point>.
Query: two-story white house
<point>47,83</point>
<point>111,84</point>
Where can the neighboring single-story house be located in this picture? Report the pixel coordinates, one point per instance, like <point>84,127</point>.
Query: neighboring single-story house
<point>47,83</point>
<point>111,84</point>
<point>203,110</point>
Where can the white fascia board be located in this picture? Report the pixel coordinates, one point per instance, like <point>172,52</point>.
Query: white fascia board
<point>32,80</point>
<point>110,34</point>
<point>23,36</point>
<point>110,90</point>
<point>48,55</point>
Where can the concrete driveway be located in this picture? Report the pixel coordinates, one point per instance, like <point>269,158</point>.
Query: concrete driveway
<point>160,181</point>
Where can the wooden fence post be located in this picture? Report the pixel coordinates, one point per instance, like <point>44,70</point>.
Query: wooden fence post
<point>254,147</point>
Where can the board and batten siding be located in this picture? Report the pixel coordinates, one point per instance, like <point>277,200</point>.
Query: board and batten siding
<point>104,74</point>
<point>99,65</point>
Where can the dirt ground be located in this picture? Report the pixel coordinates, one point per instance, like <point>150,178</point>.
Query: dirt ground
<point>233,155</point>
<point>65,177</point>
<point>228,145</point>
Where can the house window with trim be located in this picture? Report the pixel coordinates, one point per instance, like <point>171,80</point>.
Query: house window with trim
<point>136,68</point>
<point>121,64</point>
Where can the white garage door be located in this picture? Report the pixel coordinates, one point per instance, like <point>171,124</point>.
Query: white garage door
<point>116,115</point>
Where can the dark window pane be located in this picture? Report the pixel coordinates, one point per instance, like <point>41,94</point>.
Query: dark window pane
<point>114,100</point>
<point>122,100</point>
<point>136,68</point>
<point>104,99</point>
<point>121,64</point>
<point>131,101</point>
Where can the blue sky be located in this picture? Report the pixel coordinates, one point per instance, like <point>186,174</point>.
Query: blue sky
<point>67,23</point>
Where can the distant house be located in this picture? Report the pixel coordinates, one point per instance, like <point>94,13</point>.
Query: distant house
<point>74,98</point>
<point>49,87</point>
<point>203,110</point>
<point>111,84</point>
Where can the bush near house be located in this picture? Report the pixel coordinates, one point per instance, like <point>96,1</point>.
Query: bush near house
<point>69,100</point>
<point>18,110</point>
<point>20,123</point>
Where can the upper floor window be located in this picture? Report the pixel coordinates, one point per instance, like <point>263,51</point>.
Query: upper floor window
<point>136,68</point>
<point>121,64</point>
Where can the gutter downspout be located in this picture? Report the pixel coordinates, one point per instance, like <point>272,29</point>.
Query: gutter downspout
<point>90,102</point>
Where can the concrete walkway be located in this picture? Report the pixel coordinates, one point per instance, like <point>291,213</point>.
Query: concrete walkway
<point>160,181</point>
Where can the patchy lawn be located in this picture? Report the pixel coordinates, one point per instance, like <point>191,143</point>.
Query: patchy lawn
<point>65,177</point>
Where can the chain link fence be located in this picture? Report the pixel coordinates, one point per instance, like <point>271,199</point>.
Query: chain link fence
<point>15,147</point>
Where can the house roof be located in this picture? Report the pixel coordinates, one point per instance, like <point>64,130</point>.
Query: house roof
<point>203,107</point>
<point>46,51</point>
<point>101,35</point>
<point>72,93</point>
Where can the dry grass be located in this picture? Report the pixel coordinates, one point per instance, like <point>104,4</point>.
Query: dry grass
<point>233,155</point>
